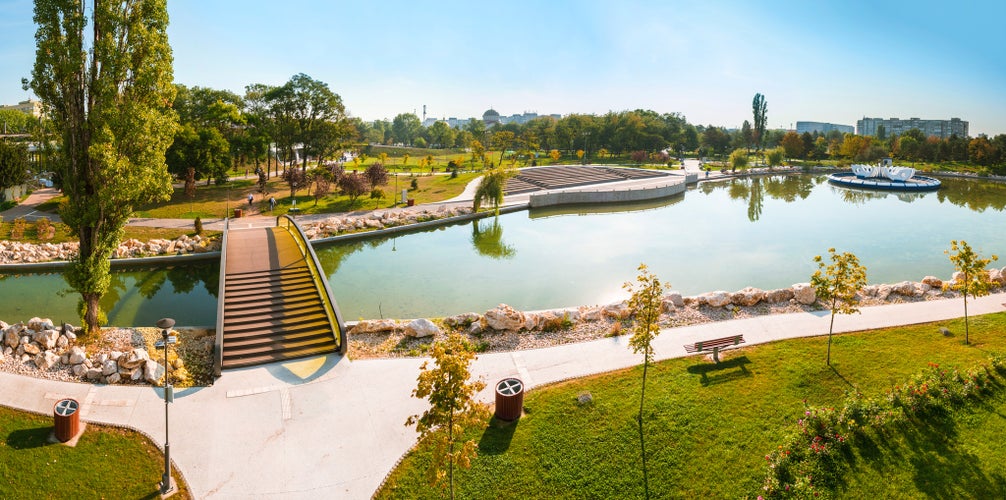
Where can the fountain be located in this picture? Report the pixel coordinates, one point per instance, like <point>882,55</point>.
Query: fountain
<point>884,176</point>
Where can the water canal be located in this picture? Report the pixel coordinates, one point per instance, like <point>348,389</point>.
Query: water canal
<point>761,232</point>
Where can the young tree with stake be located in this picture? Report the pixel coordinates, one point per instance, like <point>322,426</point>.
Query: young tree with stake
<point>453,408</point>
<point>973,279</point>
<point>837,284</point>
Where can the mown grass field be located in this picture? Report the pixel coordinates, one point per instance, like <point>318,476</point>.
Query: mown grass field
<point>708,428</point>
<point>106,463</point>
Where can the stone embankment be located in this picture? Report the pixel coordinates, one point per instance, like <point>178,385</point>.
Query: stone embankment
<point>378,219</point>
<point>505,318</point>
<point>15,252</point>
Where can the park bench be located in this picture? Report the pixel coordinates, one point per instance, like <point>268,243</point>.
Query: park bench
<point>715,345</point>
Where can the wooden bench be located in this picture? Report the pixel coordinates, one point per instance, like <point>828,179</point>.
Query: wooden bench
<point>715,345</point>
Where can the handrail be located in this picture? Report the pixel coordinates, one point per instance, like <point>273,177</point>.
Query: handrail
<point>331,308</point>
<point>218,344</point>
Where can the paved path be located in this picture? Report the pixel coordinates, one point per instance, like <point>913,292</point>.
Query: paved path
<point>27,208</point>
<point>328,427</point>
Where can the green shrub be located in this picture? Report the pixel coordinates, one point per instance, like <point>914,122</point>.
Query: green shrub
<point>198,225</point>
<point>17,228</point>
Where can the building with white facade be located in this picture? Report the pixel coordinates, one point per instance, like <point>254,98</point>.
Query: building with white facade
<point>823,128</point>
<point>896,126</point>
<point>33,108</point>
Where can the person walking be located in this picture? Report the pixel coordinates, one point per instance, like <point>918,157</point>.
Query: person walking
<point>272,203</point>
<point>251,198</point>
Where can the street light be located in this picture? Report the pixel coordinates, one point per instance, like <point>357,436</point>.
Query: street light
<point>168,486</point>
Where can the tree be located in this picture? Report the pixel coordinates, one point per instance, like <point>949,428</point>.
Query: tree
<point>973,280</point>
<point>307,111</point>
<point>405,128</point>
<point>322,179</point>
<point>793,145</point>
<point>353,185</point>
<point>109,101</point>
<point>760,108</point>
<point>554,155</point>
<point>295,178</point>
<point>13,164</point>
<point>645,304</point>
<point>492,187</point>
<point>502,140</point>
<point>638,157</point>
<point>376,175</point>
<point>775,156</point>
<point>747,135</point>
<point>453,408</point>
<point>837,284</point>
<point>739,159</point>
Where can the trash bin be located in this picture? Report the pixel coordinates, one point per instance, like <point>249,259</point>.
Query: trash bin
<point>509,399</point>
<point>411,202</point>
<point>67,419</point>
<point>237,213</point>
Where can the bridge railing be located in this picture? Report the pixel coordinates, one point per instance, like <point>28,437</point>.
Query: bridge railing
<point>320,280</point>
<point>218,344</point>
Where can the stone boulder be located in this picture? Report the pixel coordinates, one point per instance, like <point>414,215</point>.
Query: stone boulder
<point>45,338</point>
<point>113,378</point>
<point>46,360</point>
<point>420,328</point>
<point>12,336</point>
<point>134,359</point>
<point>375,326</point>
<point>718,298</point>
<point>92,374</point>
<point>778,296</point>
<point>463,319</point>
<point>933,281</point>
<point>618,310</point>
<point>504,318</point>
<point>675,298</point>
<point>79,370</point>
<point>31,349</point>
<point>152,371</point>
<point>590,313</point>
<point>39,324</point>
<point>109,367</point>
<point>77,355</point>
<point>996,277</point>
<point>804,293</point>
<point>906,288</point>
<point>883,291</point>
<point>747,297</point>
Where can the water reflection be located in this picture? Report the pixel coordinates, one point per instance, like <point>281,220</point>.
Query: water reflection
<point>488,240</point>
<point>975,195</point>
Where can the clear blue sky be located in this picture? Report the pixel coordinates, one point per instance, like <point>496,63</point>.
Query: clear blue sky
<point>818,61</point>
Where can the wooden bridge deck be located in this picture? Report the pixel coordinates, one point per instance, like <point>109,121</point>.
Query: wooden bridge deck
<point>273,308</point>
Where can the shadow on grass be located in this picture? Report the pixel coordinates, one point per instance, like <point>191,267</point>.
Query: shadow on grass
<point>839,375</point>
<point>23,439</point>
<point>709,377</point>
<point>497,436</point>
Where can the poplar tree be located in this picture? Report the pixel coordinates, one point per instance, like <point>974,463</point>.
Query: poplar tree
<point>973,280</point>
<point>105,81</point>
<point>453,408</point>
<point>837,284</point>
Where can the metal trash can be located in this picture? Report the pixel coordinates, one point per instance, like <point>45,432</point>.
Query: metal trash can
<point>509,399</point>
<point>237,213</point>
<point>67,419</point>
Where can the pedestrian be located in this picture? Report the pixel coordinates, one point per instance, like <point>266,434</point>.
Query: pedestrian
<point>272,203</point>
<point>251,198</point>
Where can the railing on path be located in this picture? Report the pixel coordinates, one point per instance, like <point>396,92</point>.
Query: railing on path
<point>218,344</point>
<point>320,280</point>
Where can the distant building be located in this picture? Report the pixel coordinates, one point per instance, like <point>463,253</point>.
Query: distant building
<point>33,108</point>
<point>491,117</point>
<point>930,128</point>
<point>823,128</point>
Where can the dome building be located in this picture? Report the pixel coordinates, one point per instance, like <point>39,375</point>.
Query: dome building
<point>491,117</point>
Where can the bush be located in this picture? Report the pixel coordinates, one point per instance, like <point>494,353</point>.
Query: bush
<point>44,229</point>
<point>17,228</point>
<point>415,184</point>
<point>198,225</point>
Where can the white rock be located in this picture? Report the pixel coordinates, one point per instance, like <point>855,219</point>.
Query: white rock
<point>421,327</point>
<point>109,367</point>
<point>93,374</point>
<point>462,319</point>
<point>883,291</point>
<point>375,326</point>
<point>62,342</point>
<point>152,371</point>
<point>906,288</point>
<point>933,281</point>
<point>779,296</point>
<point>675,298</point>
<point>475,328</point>
<point>588,313</point>
<point>65,359</point>
<point>718,298</point>
<point>113,378</point>
<point>78,370</point>
<point>747,297</point>
<point>46,360</point>
<point>46,338</point>
<point>31,349</point>
<point>135,358</point>
<point>804,293</point>
<point>115,355</point>
<point>136,373</point>
<point>77,355</point>
<point>504,318</point>
<point>618,310</point>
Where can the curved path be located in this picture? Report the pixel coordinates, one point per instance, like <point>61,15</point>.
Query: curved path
<point>329,427</point>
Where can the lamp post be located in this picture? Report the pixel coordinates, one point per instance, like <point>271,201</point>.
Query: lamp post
<point>168,487</point>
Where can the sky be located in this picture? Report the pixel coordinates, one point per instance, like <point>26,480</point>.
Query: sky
<point>812,60</point>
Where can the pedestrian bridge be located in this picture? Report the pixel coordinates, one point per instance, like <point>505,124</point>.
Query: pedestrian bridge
<point>274,302</point>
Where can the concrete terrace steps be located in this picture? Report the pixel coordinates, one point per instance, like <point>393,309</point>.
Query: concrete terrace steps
<point>272,308</point>
<point>559,177</point>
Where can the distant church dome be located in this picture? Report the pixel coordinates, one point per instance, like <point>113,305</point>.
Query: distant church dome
<point>491,117</point>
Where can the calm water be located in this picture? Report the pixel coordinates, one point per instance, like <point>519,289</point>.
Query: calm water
<point>761,232</point>
<point>720,236</point>
<point>138,297</point>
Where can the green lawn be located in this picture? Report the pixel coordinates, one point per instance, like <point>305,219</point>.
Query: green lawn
<point>106,463</point>
<point>708,428</point>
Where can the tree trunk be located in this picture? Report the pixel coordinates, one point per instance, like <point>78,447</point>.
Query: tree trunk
<point>92,311</point>
<point>831,327</point>
<point>966,340</point>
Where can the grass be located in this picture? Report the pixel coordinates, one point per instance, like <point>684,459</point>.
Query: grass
<point>106,463</point>
<point>708,427</point>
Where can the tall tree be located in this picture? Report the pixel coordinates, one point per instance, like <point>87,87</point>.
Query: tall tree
<point>108,95</point>
<point>305,108</point>
<point>760,108</point>
<point>973,279</point>
<point>405,128</point>
<point>747,135</point>
<point>13,164</point>
<point>453,408</point>
<point>793,145</point>
<point>837,284</point>
<point>645,303</point>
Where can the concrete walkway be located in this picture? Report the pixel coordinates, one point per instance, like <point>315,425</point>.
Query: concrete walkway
<point>27,208</point>
<point>328,427</point>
